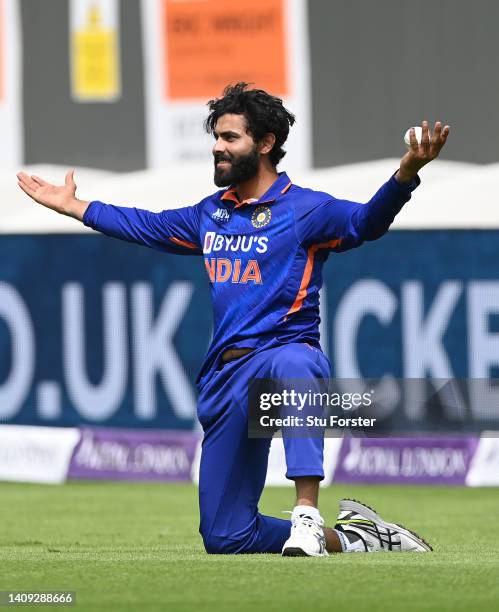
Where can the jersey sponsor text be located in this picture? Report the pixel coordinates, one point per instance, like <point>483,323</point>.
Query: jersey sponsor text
<point>214,242</point>
<point>222,270</point>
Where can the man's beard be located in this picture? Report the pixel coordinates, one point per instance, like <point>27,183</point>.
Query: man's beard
<point>242,168</point>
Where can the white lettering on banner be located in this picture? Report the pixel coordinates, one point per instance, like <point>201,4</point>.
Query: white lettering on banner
<point>49,401</point>
<point>422,343</point>
<point>409,462</point>
<point>120,456</point>
<point>364,297</point>
<point>154,352</point>
<point>95,402</point>
<point>14,312</point>
<point>483,346</point>
<point>422,338</point>
<point>155,360</point>
<point>433,462</point>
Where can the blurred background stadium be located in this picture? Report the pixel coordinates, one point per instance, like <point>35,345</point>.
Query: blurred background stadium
<point>100,341</point>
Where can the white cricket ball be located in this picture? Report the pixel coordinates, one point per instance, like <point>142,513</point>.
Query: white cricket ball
<point>419,136</point>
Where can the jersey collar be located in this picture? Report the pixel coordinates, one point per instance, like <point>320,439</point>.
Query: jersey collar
<point>279,187</point>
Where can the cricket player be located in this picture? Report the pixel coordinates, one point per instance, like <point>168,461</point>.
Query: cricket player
<point>264,241</point>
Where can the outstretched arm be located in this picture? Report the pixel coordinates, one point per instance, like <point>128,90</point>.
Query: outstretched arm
<point>61,198</point>
<point>348,224</point>
<point>174,231</point>
<point>372,220</point>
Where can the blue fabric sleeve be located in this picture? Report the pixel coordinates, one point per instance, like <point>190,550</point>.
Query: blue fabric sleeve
<point>173,231</point>
<point>346,224</point>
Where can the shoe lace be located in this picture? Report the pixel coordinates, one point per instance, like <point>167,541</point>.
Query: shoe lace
<point>303,523</point>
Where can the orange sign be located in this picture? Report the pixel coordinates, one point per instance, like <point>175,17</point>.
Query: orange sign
<point>211,43</point>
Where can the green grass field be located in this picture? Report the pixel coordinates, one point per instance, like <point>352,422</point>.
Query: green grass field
<point>125,546</point>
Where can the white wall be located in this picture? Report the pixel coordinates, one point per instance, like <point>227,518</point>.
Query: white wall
<point>452,194</point>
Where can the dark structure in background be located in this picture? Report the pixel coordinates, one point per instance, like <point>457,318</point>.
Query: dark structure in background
<point>377,67</point>
<point>59,130</point>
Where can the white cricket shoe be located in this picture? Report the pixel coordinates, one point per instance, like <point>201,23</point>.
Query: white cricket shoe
<point>306,538</point>
<point>376,534</point>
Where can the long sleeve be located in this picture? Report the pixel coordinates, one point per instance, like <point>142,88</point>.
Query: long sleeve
<point>347,224</point>
<point>173,231</point>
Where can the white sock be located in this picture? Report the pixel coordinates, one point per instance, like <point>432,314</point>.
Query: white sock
<point>310,511</point>
<point>349,542</point>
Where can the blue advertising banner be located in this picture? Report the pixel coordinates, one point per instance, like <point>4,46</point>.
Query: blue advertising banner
<point>93,330</point>
<point>99,332</point>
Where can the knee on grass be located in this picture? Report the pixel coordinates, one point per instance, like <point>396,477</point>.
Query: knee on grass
<point>218,545</point>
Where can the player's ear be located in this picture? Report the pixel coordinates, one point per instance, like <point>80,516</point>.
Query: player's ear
<point>266,143</point>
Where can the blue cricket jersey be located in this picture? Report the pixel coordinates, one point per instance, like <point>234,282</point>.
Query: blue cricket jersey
<point>263,258</point>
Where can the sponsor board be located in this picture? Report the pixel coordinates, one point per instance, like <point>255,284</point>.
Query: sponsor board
<point>119,342</point>
<point>276,470</point>
<point>36,454</point>
<point>484,468</point>
<point>95,351</point>
<point>209,43</point>
<point>119,454</point>
<point>95,50</point>
<point>438,460</point>
<point>52,454</point>
<point>193,49</point>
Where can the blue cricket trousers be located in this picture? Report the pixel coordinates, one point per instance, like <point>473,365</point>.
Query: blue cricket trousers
<point>234,467</point>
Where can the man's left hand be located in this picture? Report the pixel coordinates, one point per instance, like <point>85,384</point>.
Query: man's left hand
<point>419,154</point>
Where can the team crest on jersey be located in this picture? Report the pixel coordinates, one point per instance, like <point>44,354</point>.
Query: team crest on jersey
<point>221,214</point>
<point>261,217</point>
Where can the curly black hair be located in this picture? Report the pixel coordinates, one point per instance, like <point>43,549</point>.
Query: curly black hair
<point>264,114</point>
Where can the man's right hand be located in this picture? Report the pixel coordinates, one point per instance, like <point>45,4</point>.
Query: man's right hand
<point>62,198</point>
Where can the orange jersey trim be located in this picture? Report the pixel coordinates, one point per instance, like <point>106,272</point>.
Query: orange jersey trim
<point>307,273</point>
<point>230,194</point>
<point>184,243</point>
